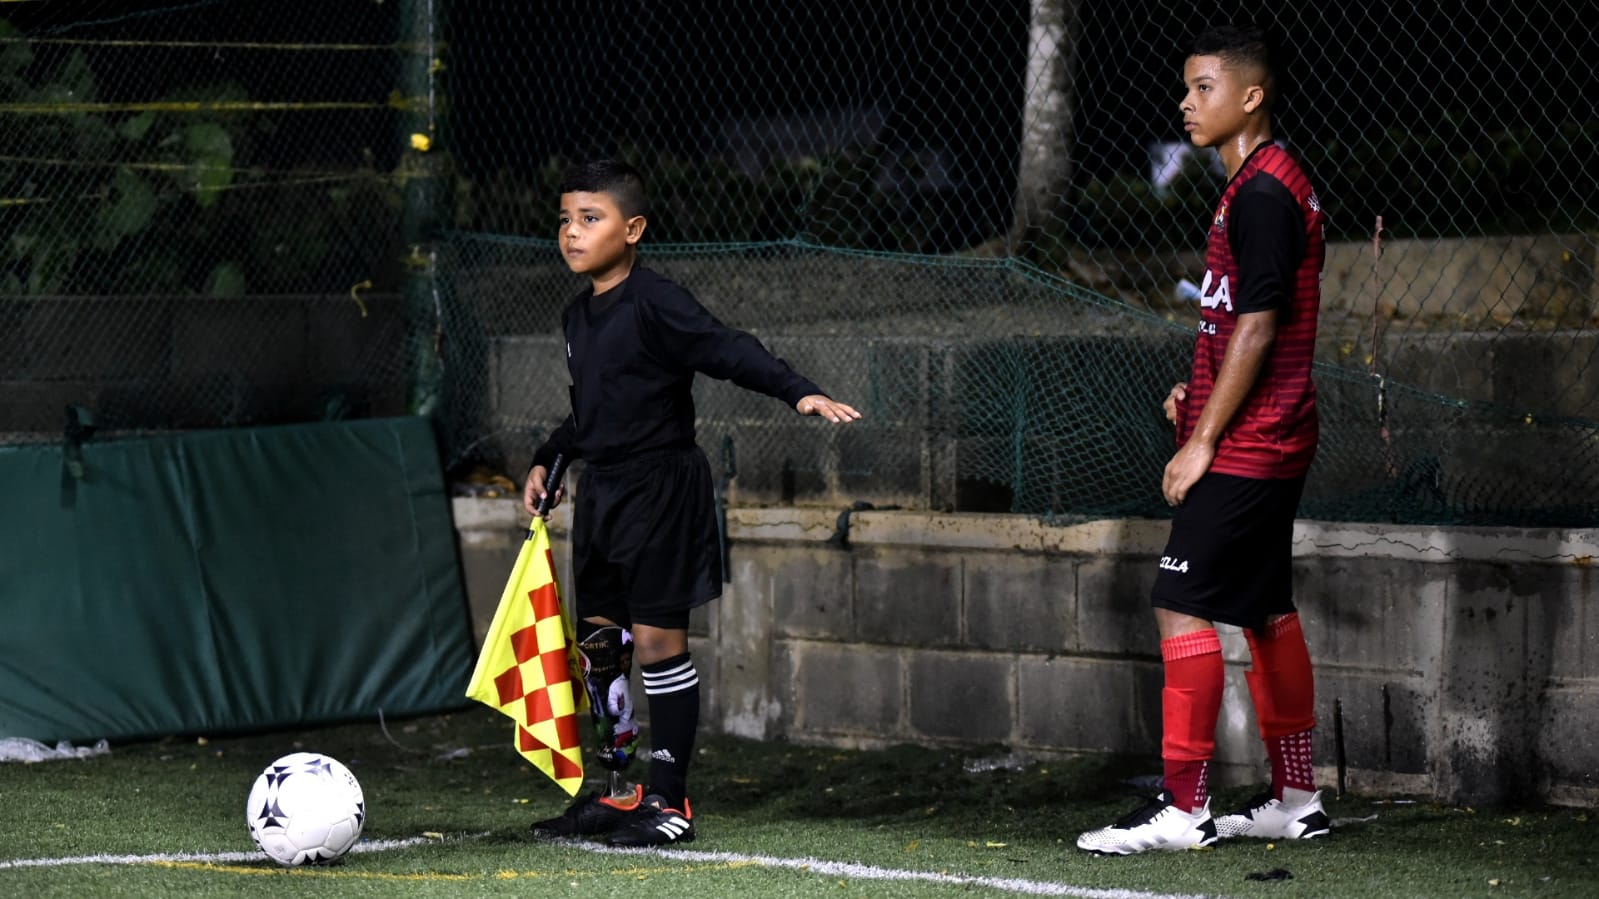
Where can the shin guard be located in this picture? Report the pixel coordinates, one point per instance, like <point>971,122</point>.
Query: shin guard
<point>1189,703</point>
<point>1280,681</point>
<point>1191,699</point>
<point>1283,688</point>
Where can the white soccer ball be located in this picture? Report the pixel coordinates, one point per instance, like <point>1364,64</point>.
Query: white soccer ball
<point>305,809</point>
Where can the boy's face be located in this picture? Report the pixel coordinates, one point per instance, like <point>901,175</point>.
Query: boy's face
<point>595,237</point>
<point>1219,100</point>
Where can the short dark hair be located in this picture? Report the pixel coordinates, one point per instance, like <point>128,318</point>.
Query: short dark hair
<point>621,181</point>
<point>1241,45</point>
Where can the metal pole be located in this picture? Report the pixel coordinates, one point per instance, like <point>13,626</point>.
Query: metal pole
<point>423,183</point>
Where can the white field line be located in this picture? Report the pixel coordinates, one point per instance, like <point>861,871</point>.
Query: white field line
<point>871,872</point>
<point>821,867</point>
<point>201,857</point>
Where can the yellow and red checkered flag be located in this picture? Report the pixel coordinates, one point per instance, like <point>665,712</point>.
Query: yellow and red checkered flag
<point>528,668</point>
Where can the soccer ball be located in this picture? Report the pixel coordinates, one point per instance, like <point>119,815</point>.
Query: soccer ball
<point>305,809</point>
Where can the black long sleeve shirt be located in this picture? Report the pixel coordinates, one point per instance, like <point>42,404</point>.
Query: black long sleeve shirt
<point>633,363</point>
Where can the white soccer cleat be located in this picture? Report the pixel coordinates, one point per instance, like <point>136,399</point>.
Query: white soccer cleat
<point>1156,825</point>
<point>1265,817</point>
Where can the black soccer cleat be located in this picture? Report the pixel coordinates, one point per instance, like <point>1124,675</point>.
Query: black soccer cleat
<point>590,815</point>
<point>653,824</point>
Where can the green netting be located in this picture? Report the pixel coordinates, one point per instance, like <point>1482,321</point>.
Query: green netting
<point>971,219</point>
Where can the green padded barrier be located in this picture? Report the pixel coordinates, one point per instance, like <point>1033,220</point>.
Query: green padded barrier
<point>228,580</point>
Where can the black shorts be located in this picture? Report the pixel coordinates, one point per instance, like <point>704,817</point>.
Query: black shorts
<point>644,543</point>
<point>1230,554</point>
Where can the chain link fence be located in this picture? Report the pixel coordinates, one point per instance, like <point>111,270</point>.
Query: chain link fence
<point>977,221</point>
<point>201,216</point>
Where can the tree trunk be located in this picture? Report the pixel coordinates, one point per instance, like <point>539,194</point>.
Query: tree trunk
<point>1044,168</point>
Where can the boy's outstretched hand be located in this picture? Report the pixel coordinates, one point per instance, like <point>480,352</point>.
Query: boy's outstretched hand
<point>534,491</point>
<point>832,410</point>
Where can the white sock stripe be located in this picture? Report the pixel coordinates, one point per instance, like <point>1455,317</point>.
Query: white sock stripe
<point>686,667</point>
<point>663,689</point>
<point>672,680</point>
<point>688,675</point>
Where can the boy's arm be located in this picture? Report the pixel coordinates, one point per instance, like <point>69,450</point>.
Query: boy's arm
<point>560,442</point>
<point>533,489</point>
<point>686,331</point>
<point>1246,354</point>
<point>563,438</point>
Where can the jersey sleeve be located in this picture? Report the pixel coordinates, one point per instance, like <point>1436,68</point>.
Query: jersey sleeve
<point>1267,232</point>
<point>685,331</point>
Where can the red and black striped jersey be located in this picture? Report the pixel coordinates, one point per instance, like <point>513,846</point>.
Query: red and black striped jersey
<point>1265,251</point>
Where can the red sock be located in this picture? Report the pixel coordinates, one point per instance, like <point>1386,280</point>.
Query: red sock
<point>1284,689</point>
<point>1189,705</point>
<point>1290,763</point>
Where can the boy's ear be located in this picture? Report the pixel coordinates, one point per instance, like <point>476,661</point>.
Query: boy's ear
<point>635,228</point>
<point>1254,98</point>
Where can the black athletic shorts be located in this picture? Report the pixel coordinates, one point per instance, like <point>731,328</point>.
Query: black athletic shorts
<point>1230,554</point>
<point>644,544</point>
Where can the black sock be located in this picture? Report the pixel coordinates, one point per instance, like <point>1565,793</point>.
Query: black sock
<point>673,689</point>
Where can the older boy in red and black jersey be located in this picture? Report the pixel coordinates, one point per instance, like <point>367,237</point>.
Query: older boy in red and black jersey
<point>1246,432</point>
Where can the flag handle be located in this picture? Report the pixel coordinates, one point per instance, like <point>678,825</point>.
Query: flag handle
<point>552,483</point>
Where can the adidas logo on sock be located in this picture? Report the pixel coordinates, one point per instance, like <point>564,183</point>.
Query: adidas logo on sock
<point>663,755</point>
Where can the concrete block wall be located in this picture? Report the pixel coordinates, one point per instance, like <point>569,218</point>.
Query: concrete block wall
<point>1547,277</point>
<point>1460,664</point>
<point>192,362</point>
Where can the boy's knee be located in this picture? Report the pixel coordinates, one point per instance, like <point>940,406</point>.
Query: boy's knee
<point>652,644</point>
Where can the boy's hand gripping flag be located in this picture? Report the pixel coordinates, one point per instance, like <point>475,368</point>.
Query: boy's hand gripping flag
<point>528,668</point>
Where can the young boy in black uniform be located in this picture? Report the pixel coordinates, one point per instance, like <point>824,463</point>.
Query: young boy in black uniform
<point>644,541</point>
